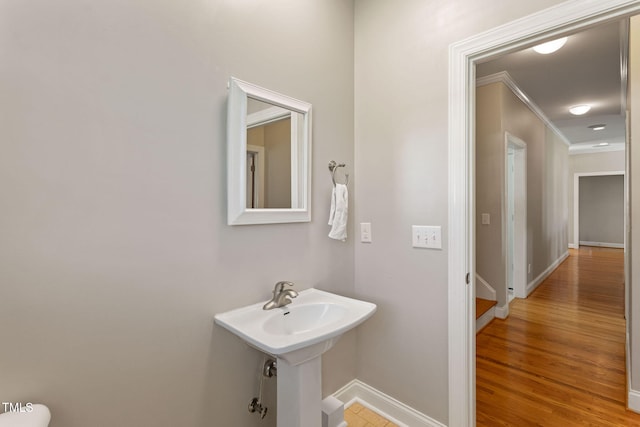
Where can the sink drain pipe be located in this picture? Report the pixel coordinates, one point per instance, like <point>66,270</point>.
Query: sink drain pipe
<point>269,370</point>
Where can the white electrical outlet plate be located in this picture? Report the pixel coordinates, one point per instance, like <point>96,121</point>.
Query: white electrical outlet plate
<point>486,219</point>
<point>426,236</point>
<point>365,232</point>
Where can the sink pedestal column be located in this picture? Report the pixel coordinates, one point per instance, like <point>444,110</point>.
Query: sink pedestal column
<point>300,393</point>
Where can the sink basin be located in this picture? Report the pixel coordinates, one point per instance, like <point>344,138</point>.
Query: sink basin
<point>300,319</point>
<point>297,335</point>
<point>304,329</point>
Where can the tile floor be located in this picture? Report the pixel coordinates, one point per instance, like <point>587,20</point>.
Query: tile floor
<point>357,415</point>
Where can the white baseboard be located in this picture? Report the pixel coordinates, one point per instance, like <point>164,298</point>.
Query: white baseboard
<point>502,312</point>
<point>602,244</point>
<point>484,320</point>
<point>633,396</point>
<point>390,408</point>
<point>573,246</point>
<point>633,400</point>
<point>536,282</point>
<point>484,290</point>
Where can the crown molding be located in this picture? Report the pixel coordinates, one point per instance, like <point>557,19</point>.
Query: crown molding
<point>505,78</point>
<point>574,151</point>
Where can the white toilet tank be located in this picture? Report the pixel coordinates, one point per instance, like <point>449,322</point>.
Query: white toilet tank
<point>38,417</point>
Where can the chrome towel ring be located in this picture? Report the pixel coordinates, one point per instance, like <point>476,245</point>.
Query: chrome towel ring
<point>333,166</point>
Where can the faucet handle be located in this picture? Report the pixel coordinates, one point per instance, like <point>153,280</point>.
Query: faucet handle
<point>279,287</point>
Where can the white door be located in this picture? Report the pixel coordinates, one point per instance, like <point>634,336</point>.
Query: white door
<point>516,215</point>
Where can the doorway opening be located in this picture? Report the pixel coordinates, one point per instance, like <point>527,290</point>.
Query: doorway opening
<point>599,225</point>
<point>568,17</point>
<point>516,216</point>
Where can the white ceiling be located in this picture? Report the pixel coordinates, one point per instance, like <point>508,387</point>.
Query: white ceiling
<point>586,70</point>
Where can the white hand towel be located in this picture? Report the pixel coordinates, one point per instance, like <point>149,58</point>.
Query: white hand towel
<point>339,212</point>
<point>332,210</point>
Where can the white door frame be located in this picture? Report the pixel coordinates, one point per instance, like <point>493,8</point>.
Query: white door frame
<point>259,192</point>
<point>519,254</point>
<point>563,19</point>
<point>576,202</point>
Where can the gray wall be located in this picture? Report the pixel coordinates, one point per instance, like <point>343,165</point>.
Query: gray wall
<point>490,264</point>
<point>115,254</point>
<point>602,209</point>
<point>587,163</point>
<point>401,100</point>
<point>500,111</point>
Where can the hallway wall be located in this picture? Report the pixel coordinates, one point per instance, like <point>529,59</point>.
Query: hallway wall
<point>499,110</point>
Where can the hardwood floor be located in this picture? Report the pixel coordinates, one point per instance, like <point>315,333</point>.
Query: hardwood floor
<point>482,306</point>
<point>559,358</point>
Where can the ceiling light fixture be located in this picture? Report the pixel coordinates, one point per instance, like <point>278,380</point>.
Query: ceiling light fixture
<point>597,127</point>
<point>550,47</point>
<point>602,144</point>
<point>578,110</point>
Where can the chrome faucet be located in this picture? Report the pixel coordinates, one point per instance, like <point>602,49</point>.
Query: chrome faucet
<point>281,296</point>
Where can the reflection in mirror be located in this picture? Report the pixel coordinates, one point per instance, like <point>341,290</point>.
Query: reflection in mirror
<point>269,141</point>
<point>269,148</point>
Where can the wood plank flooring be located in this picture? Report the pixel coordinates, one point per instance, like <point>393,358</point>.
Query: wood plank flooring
<point>559,358</point>
<point>482,306</point>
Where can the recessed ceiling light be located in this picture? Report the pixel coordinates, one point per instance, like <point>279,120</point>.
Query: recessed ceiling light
<point>597,127</point>
<point>550,47</point>
<point>578,110</point>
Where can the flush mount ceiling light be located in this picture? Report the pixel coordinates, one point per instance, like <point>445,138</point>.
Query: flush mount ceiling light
<point>602,144</point>
<point>597,127</point>
<point>550,47</point>
<point>578,110</point>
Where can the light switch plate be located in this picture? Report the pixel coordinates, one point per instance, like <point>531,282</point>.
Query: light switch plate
<point>365,232</point>
<point>426,236</point>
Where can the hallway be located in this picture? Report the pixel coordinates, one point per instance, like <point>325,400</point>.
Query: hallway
<point>559,359</point>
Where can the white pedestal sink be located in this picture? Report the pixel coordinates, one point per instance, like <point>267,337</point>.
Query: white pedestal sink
<point>297,335</point>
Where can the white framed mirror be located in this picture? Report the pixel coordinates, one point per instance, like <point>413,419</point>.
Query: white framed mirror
<point>268,156</point>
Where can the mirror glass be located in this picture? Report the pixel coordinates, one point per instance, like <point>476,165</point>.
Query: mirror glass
<point>269,148</point>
